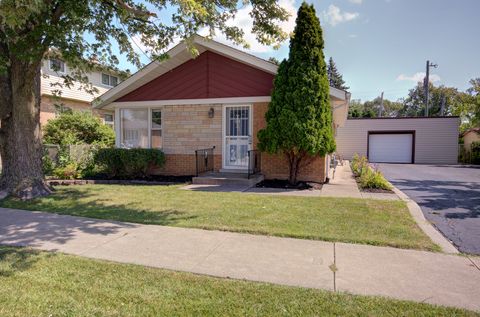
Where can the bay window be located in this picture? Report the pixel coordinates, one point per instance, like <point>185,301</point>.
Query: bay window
<point>141,128</point>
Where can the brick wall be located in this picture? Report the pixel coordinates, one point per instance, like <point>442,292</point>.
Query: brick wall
<point>47,107</point>
<point>188,128</point>
<point>276,165</point>
<point>184,164</point>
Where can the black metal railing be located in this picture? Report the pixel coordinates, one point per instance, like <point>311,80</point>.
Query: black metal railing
<point>254,162</point>
<point>204,160</point>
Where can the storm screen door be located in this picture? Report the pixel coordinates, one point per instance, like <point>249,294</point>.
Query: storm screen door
<point>237,129</point>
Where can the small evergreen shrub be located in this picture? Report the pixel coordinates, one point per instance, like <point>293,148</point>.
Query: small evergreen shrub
<point>129,163</point>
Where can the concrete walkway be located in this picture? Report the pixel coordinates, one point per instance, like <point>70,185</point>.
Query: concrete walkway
<point>343,184</point>
<point>404,274</point>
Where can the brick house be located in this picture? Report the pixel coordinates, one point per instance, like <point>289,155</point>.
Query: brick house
<point>74,98</point>
<point>217,99</point>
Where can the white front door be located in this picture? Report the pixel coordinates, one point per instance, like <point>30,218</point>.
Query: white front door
<point>237,131</point>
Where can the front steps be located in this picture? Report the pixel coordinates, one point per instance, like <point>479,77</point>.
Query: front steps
<point>219,178</point>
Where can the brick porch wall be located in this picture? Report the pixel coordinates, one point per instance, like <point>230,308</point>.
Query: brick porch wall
<point>183,165</point>
<point>276,165</point>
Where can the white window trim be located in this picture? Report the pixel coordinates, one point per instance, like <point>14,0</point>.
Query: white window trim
<point>118,124</point>
<point>57,71</point>
<point>109,80</point>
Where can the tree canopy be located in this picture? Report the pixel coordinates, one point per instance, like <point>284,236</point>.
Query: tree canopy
<point>447,101</point>
<point>299,117</point>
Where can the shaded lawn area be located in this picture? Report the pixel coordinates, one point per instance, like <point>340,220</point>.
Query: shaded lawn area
<point>375,222</point>
<point>49,284</point>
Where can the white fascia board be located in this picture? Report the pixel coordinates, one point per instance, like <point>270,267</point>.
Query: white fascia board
<point>116,92</point>
<point>177,102</point>
<point>237,54</point>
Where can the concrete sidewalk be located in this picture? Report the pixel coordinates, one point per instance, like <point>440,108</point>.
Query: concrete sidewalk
<point>343,184</point>
<point>404,274</point>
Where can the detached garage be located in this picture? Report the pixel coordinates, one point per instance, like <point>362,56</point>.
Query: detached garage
<point>432,140</point>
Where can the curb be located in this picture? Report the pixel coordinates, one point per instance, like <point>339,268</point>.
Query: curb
<point>425,225</point>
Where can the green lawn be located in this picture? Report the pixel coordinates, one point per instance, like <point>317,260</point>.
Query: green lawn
<point>50,284</point>
<point>375,222</point>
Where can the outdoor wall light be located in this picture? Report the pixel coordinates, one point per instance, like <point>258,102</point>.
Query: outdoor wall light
<point>211,113</point>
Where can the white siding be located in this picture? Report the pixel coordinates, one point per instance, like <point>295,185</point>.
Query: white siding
<point>436,139</point>
<point>75,92</point>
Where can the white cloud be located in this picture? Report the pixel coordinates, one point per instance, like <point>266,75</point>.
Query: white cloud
<point>356,1</point>
<point>244,21</point>
<point>352,36</point>
<point>334,15</point>
<point>418,77</point>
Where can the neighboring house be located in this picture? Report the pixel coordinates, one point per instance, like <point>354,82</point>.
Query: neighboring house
<point>217,99</point>
<point>73,98</point>
<point>470,136</point>
<point>432,140</point>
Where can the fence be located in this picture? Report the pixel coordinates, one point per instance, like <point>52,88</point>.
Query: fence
<point>254,162</point>
<point>204,160</point>
<point>469,155</point>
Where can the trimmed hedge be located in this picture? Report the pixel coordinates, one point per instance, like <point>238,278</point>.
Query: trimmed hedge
<point>129,163</point>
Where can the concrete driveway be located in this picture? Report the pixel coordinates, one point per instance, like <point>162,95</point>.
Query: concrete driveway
<point>449,196</point>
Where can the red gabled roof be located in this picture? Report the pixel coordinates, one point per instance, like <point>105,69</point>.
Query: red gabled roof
<point>210,75</point>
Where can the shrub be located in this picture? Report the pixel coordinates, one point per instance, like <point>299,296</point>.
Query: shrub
<point>373,179</point>
<point>69,171</point>
<point>358,163</point>
<point>368,177</point>
<point>129,163</point>
<point>77,128</point>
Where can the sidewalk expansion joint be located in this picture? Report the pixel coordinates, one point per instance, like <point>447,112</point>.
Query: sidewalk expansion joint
<point>333,267</point>
<point>215,248</point>
<point>102,244</point>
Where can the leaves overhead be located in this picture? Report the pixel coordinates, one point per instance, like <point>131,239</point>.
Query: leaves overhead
<point>87,32</point>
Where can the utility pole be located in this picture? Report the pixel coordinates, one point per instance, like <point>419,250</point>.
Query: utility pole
<point>381,106</point>
<point>442,108</point>
<point>426,86</point>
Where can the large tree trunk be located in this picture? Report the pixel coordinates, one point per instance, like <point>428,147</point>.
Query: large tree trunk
<point>20,135</point>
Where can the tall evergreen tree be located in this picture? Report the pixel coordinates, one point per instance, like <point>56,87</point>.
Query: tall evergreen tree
<point>299,117</point>
<point>334,76</point>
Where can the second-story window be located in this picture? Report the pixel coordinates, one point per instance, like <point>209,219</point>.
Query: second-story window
<point>57,65</point>
<point>109,80</point>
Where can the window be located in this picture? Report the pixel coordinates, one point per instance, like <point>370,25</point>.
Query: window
<point>156,133</point>
<point>109,80</point>
<point>134,128</point>
<point>108,119</point>
<point>57,65</point>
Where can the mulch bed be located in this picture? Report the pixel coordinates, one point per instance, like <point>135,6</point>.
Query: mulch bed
<point>284,184</point>
<point>372,190</point>
<point>153,180</point>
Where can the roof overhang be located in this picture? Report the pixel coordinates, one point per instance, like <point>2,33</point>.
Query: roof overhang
<point>181,54</point>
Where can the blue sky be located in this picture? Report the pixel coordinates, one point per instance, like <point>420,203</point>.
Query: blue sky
<point>382,45</point>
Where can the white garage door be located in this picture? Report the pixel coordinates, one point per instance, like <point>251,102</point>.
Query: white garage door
<point>390,148</point>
